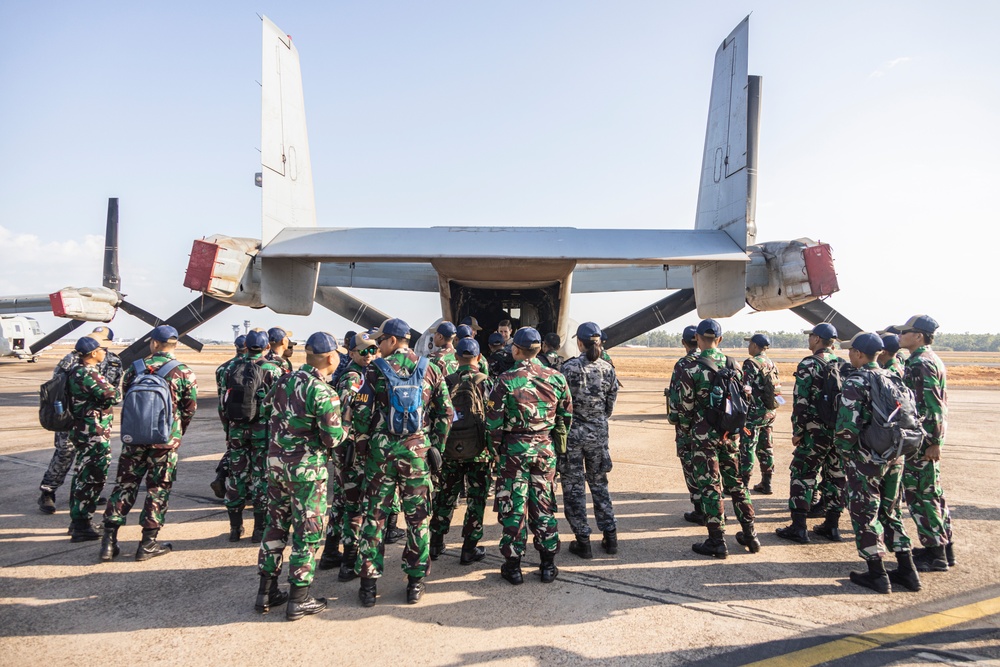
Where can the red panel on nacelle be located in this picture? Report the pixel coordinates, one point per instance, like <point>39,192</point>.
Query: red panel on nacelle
<point>201,266</point>
<point>819,268</point>
<point>58,308</point>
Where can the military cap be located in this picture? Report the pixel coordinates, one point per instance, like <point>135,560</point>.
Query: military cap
<point>321,343</point>
<point>276,335</point>
<point>240,342</point>
<point>527,338</point>
<point>588,331</point>
<point>891,329</point>
<point>710,328</point>
<point>360,341</point>
<point>164,334</point>
<point>393,327</point>
<point>690,333</point>
<point>472,323</point>
<point>552,340</point>
<point>890,342</point>
<point>921,323</point>
<point>866,343</point>
<point>824,330</point>
<point>446,329</point>
<point>467,347</point>
<point>496,338</point>
<point>463,331</point>
<point>759,339</point>
<point>102,334</point>
<point>86,345</point>
<point>256,340</point>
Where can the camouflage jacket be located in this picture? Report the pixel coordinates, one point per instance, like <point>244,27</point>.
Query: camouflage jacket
<point>897,364</point>
<point>607,357</point>
<point>805,416</point>
<point>855,412</point>
<point>437,409</point>
<point>927,377</point>
<point>220,372</point>
<point>281,362</point>
<point>272,372</point>
<point>694,384</point>
<point>552,360</point>
<point>110,369</point>
<point>673,391</point>
<point>91,396</point>
<point>500,362</point>
<point>594,389</point>
<point>304,420</point>
<point>183,391</point>
<point>755,370</point>
<point>352,398</point>
<point>522,408</point>
<point>445,360</point>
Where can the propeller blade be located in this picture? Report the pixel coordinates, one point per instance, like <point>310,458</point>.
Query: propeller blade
<point>817,312</point>
<point>184,320</point>
<point>111,278</point>
<point>154,321</point>
<point>354,309</point>
<point>677,304</point>
<point>47,340</point>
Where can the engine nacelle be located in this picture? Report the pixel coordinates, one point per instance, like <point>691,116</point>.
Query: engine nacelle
<point>90,304</point>
<point>784,274</point>
<point>223,267</point>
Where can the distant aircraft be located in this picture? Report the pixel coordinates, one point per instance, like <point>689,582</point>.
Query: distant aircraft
<point>17,334</point>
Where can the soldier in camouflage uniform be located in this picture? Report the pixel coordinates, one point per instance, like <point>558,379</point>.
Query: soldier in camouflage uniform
<point>587,461</point>
<point>473,474</point>
<point>760,373</point>
<point>402,462</point>
<point>90,401</point>
<point>157,463</point>
<point>716,456</point>
<point>444,348</point>
<point>891,358</point>
<point>304,418</point>
<point>549,356</point>
<point>872,486</point>
<point>218,484</point>
<point>926,376</point>
<point>62,458</point>
<point>247,445</point>
<point>685,445</point>
<point>280,345</point>
<point>813,442</point>
<point>520,416</point>
<point>501,359</point>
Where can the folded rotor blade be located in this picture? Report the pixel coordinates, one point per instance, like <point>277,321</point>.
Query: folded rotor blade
<point>64,330</point>
<point>817,312</point>
<point>184,320</point>
<point>154,321</point>
<point>354,309</point>
<point>111,278</point>
<point>677,304</point>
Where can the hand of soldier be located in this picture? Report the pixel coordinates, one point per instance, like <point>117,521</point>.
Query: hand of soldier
<point>434,459</point>
<point>932,453</point>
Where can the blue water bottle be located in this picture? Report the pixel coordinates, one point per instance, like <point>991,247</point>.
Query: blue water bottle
<point>59,407</point>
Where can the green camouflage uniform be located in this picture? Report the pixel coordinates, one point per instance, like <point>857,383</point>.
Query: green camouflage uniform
<point>520,414</point>
<point>926,376</point>
<point>220,375</point>
<point>90,401</point>
<point>815,452</point>
<point>280,361</point>
<point>445,360</point>
<point>400,462</point>
<point>756,439</point>
<point>348,506</point>
<point>716,458</point>
<point>873,488</point>
<point>304,418</point>
<point>685,445</point>
<point>897,364</point>
<point>157,463</point>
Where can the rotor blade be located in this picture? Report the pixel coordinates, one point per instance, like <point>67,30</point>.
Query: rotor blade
<point>354,309</point>
<point>47,340</point>
<point>817,312</point>
<point>677,304</point>
<point>154,321</point>
<point>111,278</point>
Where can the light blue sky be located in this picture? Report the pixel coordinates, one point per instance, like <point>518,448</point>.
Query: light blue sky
<point>879,136</point>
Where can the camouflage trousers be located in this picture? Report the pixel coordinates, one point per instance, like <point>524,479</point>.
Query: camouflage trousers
<point>685,451</point>
<point>93,458</point>
<point>757,444</point>
<point>586,464</point>
<point>716,470</point>
<point>298,509</point>
<point>925,498</point>
<point>393,465</point>
<point>59,464</point>
<point>347,518</point>
<point>247,454</point>
<point>476,477</point>
<point>873,500</point>
<point>808,459</point>
<point>159,467</point>
<point>525,484</point>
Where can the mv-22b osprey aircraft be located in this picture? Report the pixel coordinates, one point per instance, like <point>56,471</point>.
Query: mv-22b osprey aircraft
<point>523,274</point>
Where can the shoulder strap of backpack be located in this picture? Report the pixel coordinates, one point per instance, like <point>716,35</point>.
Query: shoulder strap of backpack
<point>385,368</point>
<point>708,363</point>
<point>418,372</point>
<point>167,367</point>
<point>139,366</point>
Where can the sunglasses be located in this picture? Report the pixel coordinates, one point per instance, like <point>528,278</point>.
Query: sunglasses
<point>368,351</point>
<point>381,339</point>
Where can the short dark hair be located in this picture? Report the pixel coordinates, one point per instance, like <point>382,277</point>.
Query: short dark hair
<point>504,323</point>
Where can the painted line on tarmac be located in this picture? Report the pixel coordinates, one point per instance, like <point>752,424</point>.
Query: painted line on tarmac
<point>890,634</point>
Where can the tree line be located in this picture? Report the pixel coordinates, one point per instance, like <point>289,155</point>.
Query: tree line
<point>958,342</point>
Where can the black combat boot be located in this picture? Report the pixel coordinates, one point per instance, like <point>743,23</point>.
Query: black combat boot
<point>269,595</point>
<point>471,553</point>
<point>764,488</point>
<point>931,559</point>
<point>875,578</point>
<point>581,547</point>
<point>949,553</point>
<point>218,485</point>
<point>84,531</point>
<point>258,527</point>
<point>714,546</point>
<point>548,568</point>
<point>392,533</point>
<point>331,557</point>
<point>347,572</point>
<point>830,528</point>
<point>109,543</point>
<point>414,589</point>
<point>511,570</point>
<point>47,502</point>
<point>236,529</point>
<point>300,603</point>
<point>797,532</point>
<point>818,510</point>
<point>149,547</point>
<point>697,517</point>
<point>904,575</point>
<point>437,545</point>
<point>610,542</point>
<point>367,593</point>
<point>748,537</point>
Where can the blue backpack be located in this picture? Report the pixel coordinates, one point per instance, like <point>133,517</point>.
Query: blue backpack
<point>406,398</point>
<point>148,408</point>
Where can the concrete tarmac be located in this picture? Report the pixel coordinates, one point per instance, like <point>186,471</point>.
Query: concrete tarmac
<point>656,602</point>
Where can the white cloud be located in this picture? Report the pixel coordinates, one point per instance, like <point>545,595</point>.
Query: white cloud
<point>32,265</point>
<point>884,68</point>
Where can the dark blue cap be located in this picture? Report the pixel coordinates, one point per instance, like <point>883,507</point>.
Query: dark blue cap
<point>824,330</point>
<point>467,347</point>
<point>86,345</point>
<point>240,342</point>
<point>164,333</point>
<point>866,343</point>
<point>321,343</point>
<point>710,328</point>
<point>759,339</point>
<point>891,329</point>
<point>393,327</point>
<point>256,340</point>
<point>922,323</point>
<point>463,331</point>
<point>690,333</point>
<point>527,338</point>
<point>276,335</point>
<point>588,331</point>
<point>496,338</point>
<point>891,343</point>
<point>446,329</point>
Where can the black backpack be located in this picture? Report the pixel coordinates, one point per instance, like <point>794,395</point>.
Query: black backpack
<point>831,382</point>
<point>895,429</point>
<point>727,403</point>
<point>467,437</point>
<point>50,416</point>
<point>244,380</point>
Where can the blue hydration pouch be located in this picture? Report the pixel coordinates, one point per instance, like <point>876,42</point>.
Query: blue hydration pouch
<point>406,398</point>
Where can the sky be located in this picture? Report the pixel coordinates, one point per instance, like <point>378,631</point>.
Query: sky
<point>878,136</point>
